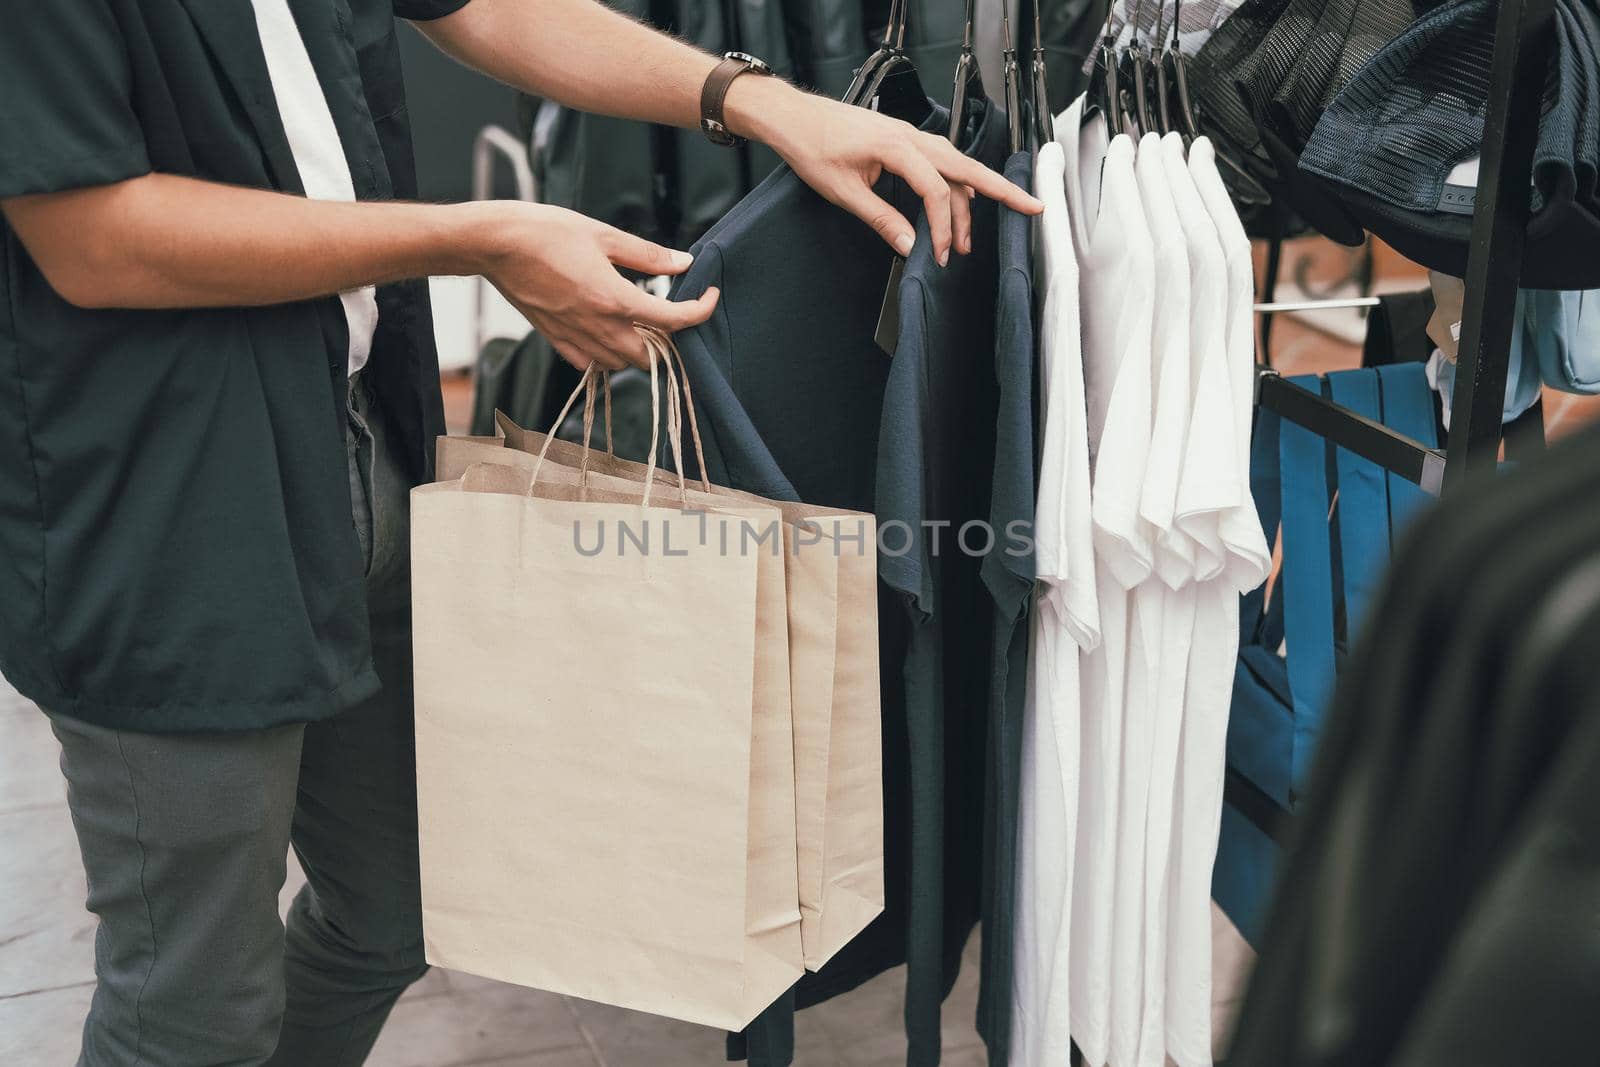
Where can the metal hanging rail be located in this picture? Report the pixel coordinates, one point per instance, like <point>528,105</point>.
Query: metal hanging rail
<point>1523,45</point>
<point>1367,438</point>
<point>1287,306</point>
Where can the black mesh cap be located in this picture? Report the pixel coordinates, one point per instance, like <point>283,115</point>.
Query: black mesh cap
<point>1216,65</point>
<point>1416,111</point>
<point>1346,38</point>
<point>1265,76</point>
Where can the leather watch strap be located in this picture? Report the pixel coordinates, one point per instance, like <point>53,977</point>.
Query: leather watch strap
<point>715,93</point>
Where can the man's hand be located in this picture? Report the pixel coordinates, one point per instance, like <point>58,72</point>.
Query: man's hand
<point>559,269</point>
<point>841,151</point>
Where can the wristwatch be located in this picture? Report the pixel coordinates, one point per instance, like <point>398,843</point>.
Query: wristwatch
<point>715,91</point>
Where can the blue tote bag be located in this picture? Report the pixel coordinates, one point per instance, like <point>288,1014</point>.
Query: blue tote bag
<point>1339,515</point>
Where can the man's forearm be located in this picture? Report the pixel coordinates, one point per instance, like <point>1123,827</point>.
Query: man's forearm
<point>163,241</point>
<point>585,55</point>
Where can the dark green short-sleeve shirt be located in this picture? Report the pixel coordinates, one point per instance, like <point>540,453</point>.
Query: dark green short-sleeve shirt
<point>176,550</point>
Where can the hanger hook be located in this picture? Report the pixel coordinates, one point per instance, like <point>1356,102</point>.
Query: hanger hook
<point>1159,40</point>
<point>1106,32</point>
<point>1012,83</point>
<point>894,20</point>
<point>1044,127</point>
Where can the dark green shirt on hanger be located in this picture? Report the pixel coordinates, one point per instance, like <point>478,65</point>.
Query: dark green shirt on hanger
<point>176,550</point>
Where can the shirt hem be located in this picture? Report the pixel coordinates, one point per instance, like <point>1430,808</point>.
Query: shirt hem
<point>26,177</point>
<point>223,716</point>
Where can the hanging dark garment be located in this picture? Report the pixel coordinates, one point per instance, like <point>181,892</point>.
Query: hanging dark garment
<point>1008,575</point>
<point>1213,70</point>
<point>664,184</point>
<point>703,180</point>
<point>1397,329</point>
<point>936,466</point>
<point>829,41</point>
<point>933,41</point>
<point>606,168</point>
<point>791,391</point>
<point>797,401</point>
<point>513,377</point>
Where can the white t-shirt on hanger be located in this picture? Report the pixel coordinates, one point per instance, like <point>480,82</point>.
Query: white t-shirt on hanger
<point>1248,559</point>
<point>1212,655</point>
<point>1116,257</point>
<point>1153,703</point>
<point>1211,484</point>
<point>1207,484</point>
<point>1065,620</point>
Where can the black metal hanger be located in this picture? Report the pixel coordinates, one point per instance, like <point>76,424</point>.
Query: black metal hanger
<point>1043,126</point>
<point>1105,92</point>
<point>1013,79</point>
<point>1161,51</point>
<point>855,94</point>
<point>1173,66</point>
<point>893,82</point>
<point>1136,71</point>
<point>968,78</point>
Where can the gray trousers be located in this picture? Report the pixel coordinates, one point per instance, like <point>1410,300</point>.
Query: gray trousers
<point>184,839</point>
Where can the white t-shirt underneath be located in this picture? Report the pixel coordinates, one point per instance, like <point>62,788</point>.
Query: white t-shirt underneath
<point>1157,655</point>
<point>1065,621</point>
<point>318,152</point>
<point>1207,483</point>
<point>1116,257</point>
<point>1212,654</point>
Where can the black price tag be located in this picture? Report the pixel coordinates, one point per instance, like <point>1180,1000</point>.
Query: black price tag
<point>888,332</point>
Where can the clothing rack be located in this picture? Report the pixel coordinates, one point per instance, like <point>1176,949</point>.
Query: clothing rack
<point>1523,44</point>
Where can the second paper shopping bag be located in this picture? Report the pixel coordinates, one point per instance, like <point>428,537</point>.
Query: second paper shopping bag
<point>605,772</point>
<point>831,578</point>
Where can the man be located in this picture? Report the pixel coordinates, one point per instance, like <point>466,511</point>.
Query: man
<point>217,383</point>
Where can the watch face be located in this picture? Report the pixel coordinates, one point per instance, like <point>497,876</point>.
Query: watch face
<point>717,133</point>
<point>757,65</point>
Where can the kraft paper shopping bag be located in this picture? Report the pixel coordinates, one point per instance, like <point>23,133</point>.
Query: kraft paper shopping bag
<point>831,579</point>
<point>604,756</point>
